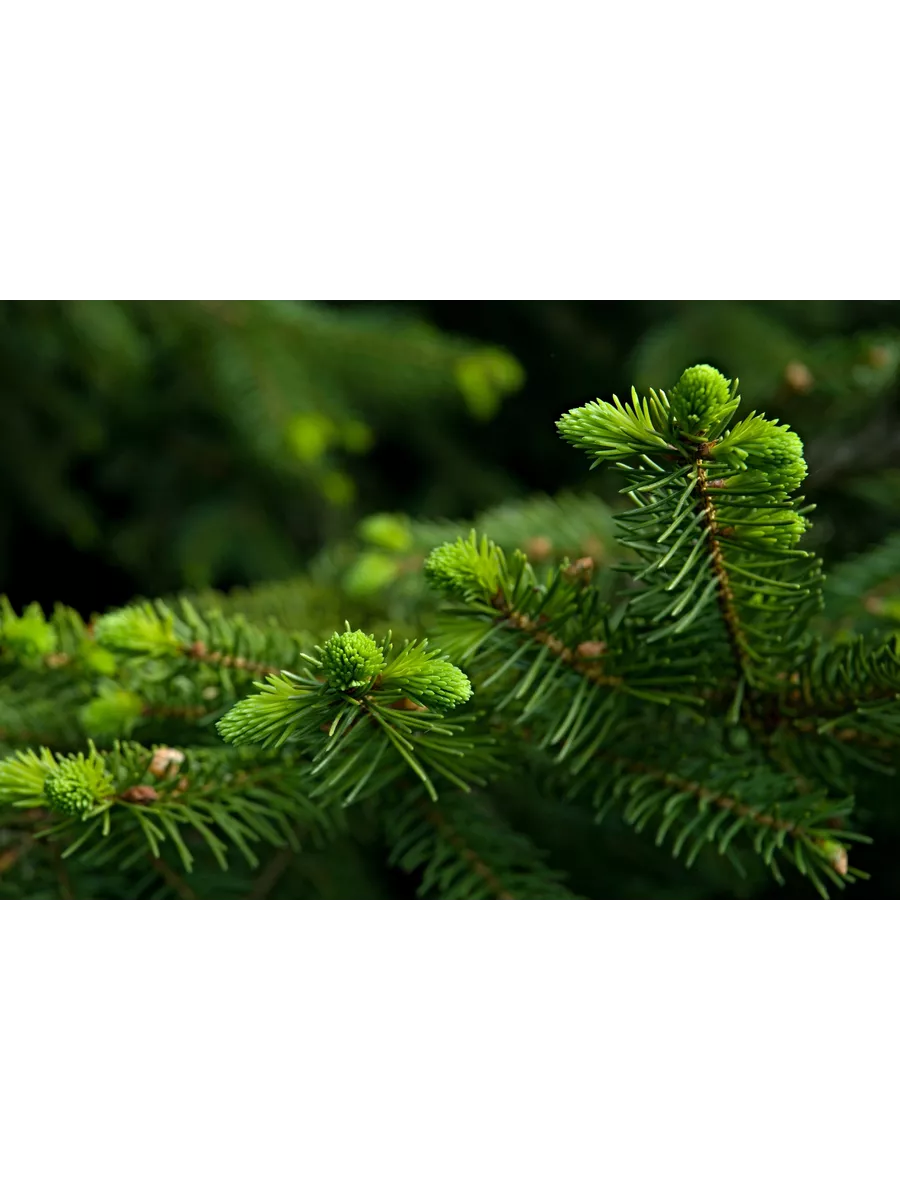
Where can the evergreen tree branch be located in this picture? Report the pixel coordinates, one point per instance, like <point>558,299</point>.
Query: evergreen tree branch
<point>703,813</point>
<point>127,803</point>
<point>724,594</point>
<point>448,833</point>
<point>584,659</point>
<point>757,816</point>
<point>465,850</point>
<point>745,536</point>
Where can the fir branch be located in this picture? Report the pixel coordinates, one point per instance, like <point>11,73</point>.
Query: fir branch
<point>724,593</point>
<point>129,802</point>
<point>199,652</point>
<point>448,833</point>
<point>520,629</point>
<point>727,803</point>
<point>842,678</point>
<point>692,696</point>
<point>380,712</point>
<point>744,536</point>
<point>718,813</point>
<point>584,659</point>
<point>465,850</point>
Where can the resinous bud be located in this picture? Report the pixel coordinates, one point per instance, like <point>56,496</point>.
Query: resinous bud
<point>702,401</point>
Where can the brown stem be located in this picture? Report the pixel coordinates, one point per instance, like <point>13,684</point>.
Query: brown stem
<point>447,831</point>
<point>199,652</point>
<point>724,594</point>
<point>584,663</point>
<point>273,871</point>
<point>740,809</point>
<point>9,857</point>
<point>843,735</point>
<point>174,880</point>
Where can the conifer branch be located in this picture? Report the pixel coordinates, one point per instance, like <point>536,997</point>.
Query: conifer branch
<point>448,833</point>
<point>465,850</point>
<point>724,592</point>
<point>688,687</point>
<point>583,659</point>
<point>831,849</point>
<point>763,584</point>
<point>199,652</point>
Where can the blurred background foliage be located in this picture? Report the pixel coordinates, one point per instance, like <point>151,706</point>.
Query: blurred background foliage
<point>152,447</point>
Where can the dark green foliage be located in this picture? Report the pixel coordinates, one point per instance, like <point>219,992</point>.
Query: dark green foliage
<point>199,442</point>
<point>464,850</point>
<point>695,713</point>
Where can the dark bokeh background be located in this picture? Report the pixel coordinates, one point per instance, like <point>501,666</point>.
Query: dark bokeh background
<point>150,447</point>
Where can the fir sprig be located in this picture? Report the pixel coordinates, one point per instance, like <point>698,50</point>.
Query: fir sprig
<point>716,526</point>
<point>362,708</point>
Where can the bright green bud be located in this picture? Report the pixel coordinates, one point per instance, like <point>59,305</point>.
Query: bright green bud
<point>97,660</point>
<point>465,568</point>
<point>783,527</point>
<point>427,676</point>
<point>138,629</point>
<point>113,714</point>
<point>369,573</point>
<point>23,774</point>
<point>759,444</point>
<point>77,784</point>
<point>836,855</point>
<point>351,660</point>
<point>441,686</point>
<point>790,527</point>
<point>309,435</point>
<point>780,455</point>
<point>702,401</point>
<point>387,531</point>
<point>485,377</point>
<point>612,430</point>
<point>30,636</point>
<point>267,718</point>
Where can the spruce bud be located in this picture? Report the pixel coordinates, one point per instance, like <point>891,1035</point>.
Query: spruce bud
<point>836,855</point>
<point>76,784</point>
<point>702,401</point>
<point>440,685</point>
<point>351,660</point>
<point>779,452</point>
<point>467,567</point>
